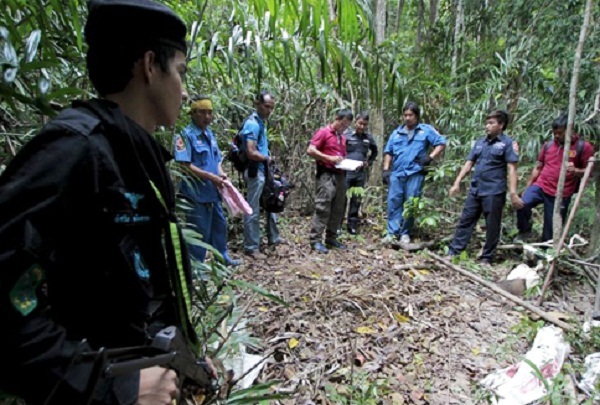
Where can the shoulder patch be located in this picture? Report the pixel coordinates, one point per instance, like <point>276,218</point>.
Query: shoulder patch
<point>515,147</point>
<point>23,295</point>
<point>179,143</point>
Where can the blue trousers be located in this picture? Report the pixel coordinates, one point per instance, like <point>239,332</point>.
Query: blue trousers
<point>209,221</point>
<point>532,197</point>
<point>491,206</point>
<point>252,222</point>
<point>400,190</point>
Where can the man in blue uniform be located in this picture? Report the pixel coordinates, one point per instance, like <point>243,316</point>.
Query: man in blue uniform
<point>491,156</point>
<point>197,151</point>
<point>256,146</point>
<point>361,146</point>
<point>90,255</point>
<point>406,156</point>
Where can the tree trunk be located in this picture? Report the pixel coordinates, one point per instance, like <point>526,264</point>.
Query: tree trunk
<point>594,248</point>
<point>420,24</point>
<point>433,14</point>
<point>399,16</point>
<point>595,240</point>
<point>557,220</point>
<point>332,12</point>
<point>458,23</point>
<point>376,122</point>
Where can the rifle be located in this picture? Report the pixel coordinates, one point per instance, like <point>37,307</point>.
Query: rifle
<point>168,349</point>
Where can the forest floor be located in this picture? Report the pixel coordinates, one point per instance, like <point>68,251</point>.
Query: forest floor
<point>373,325</point>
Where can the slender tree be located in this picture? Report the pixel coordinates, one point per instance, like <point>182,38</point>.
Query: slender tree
<point>557,220</point>
<point>376,120</point>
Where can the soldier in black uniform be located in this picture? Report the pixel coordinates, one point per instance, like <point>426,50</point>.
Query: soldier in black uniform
<point>90,254</point>
<point>492,157</point>
<point>358,145</point>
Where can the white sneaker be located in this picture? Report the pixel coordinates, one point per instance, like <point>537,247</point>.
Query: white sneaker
<point>388,240</point>
<point>405,239</point>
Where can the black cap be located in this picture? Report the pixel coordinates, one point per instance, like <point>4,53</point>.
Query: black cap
<point>127,23</point>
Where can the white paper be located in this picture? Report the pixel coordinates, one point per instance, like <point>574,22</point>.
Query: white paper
<point>349,164</point>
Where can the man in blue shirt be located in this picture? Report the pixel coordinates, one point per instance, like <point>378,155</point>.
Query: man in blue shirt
<point>256,146</point>
<point>405,157</point>
<point>490,156</point>
<point>197,151</point>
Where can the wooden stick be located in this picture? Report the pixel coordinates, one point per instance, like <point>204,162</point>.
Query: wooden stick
<point>588,270</point>
<point>520,245</point>
<point>549,317</point>
<point>561,241</point>
<point>584,263</point>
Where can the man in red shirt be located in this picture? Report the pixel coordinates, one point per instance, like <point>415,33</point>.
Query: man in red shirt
<point>328,147</point>
<point>542,184</point>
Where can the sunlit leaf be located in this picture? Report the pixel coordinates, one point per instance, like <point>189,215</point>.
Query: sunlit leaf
<point>401,318</point>
<point>293,343</point>
<point>365,330</point>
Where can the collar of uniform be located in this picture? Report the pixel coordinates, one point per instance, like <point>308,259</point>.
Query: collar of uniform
<point>404,130</point>
<point>496,139</point>
<point>199,131</point>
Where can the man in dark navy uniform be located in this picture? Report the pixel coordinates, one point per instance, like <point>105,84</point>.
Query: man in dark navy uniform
<point>491,156</point>
<point>91,255</point>
<point>361,146</point>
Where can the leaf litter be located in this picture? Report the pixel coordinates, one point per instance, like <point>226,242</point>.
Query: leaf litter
<point>373,317</point>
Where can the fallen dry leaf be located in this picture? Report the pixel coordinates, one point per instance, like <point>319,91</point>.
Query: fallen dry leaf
<point>363,252</point>
<point>436,333</point>
<point>401,318</point>
<point>293,342</point>
<point>365,329</point>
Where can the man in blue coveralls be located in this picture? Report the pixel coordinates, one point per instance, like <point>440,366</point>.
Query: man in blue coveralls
<point>256,146</point>
<point>490,156</point>
<point>197,152</point>
<point>407,152</point>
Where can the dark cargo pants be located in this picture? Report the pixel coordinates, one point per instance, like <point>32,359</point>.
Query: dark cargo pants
<point>329,206</point>
<point>491,206</point>
<point>354,179</point>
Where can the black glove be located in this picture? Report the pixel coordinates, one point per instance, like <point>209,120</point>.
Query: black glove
<point>385,177</point>
<point>424,160</point>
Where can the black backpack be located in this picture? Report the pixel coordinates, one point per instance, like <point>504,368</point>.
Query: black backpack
<point>237,154</point>
<point>275,191</point>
